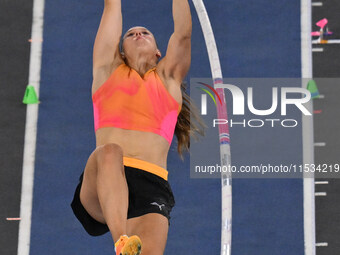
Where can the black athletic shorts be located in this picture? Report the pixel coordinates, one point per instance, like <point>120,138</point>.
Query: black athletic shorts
<point>148,193</point>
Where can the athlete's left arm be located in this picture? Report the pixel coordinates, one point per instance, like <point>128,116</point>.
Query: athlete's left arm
<point>176,62</point>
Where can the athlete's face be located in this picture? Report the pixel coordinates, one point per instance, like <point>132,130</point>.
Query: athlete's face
<point>139,40</point>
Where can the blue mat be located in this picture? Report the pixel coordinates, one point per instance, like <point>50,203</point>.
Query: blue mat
<point>259,39</point>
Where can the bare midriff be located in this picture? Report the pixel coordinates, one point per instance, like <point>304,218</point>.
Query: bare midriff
<point>141,145</point>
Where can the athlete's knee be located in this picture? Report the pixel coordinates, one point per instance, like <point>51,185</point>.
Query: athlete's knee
<point>109,153</point>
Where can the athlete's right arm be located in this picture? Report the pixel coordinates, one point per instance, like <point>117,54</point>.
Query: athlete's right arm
<point>106,46</point>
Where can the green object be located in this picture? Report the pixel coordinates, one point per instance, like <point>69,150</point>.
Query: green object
<point>207,91</point>
<point>313,89</point>
<point>30,96</point>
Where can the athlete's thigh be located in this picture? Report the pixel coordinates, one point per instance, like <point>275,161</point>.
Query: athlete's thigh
<point>88,191</point>
<point>152,228</point>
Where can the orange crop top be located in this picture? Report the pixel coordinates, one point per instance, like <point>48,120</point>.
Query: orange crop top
<point>128,101</point>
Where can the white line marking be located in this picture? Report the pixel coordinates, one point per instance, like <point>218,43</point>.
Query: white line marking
<point>320,194</point>
<point>321,244</point>
<point>321,96</point>
<point>31,132</point>
<point>13,219</point>
<point>317,4</point>
<point>324,41</point>
<point>317,49</point>
<point>319,144</point>
<point>35,40</point>
<point>331,41</point>
<point>322,182</point>
<point>307,130</point>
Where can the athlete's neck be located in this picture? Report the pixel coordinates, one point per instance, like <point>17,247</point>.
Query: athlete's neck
<point>141,64</point>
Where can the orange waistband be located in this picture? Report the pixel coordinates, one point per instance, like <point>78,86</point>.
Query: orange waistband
<point>146,166</point>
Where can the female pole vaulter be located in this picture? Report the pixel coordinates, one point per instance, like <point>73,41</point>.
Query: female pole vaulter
<point>139,102</point>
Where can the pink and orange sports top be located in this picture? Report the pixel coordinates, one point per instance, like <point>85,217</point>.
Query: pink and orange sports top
<point>128,101</point>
